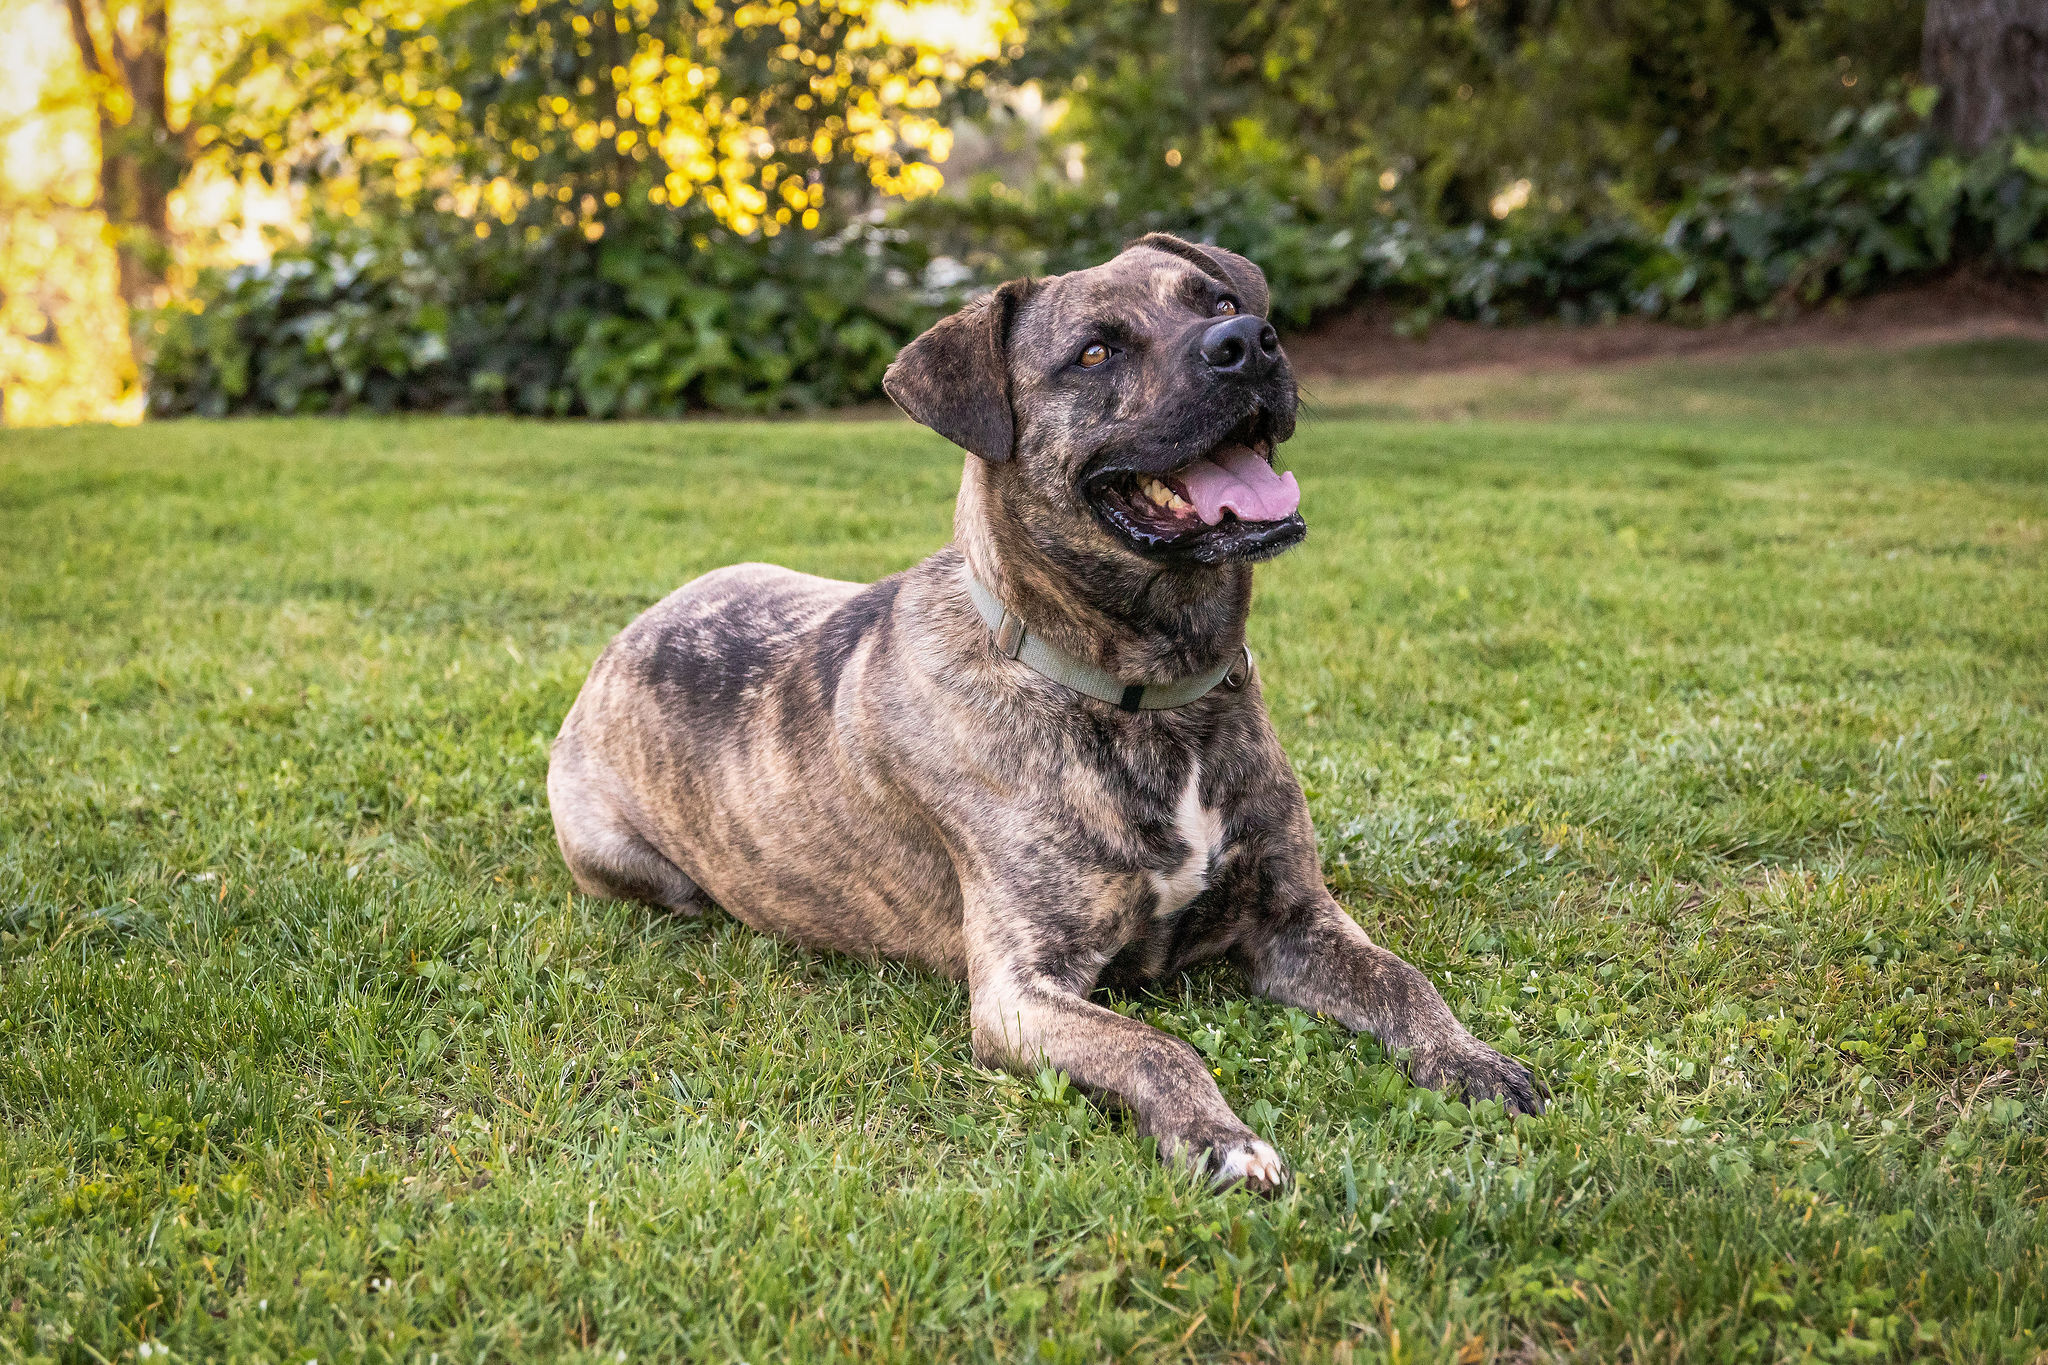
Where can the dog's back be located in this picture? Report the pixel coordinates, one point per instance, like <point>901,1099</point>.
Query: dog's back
<point>723,700</point>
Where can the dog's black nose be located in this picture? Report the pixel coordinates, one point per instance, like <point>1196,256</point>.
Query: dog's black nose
<point>1241,345</point>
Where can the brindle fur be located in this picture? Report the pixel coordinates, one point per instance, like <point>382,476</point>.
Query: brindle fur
<point>856,767</point>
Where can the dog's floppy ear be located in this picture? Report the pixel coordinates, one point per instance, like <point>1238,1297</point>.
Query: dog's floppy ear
<point>955,378</point>
<point>1246,280</point>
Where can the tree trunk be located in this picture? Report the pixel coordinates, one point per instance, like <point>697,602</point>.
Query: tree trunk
<point>1990,60</point>
<point>1193,64</point>
<point>141,158</point>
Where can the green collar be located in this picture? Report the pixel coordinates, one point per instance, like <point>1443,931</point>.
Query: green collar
<point>1015,640</point>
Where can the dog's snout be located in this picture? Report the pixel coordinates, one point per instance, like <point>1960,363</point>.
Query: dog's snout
<point>1241,345</point>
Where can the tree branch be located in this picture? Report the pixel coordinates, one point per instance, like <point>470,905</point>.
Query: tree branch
<point>81,33</point>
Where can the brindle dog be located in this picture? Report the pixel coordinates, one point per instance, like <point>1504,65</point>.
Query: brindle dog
<point>861,767</point>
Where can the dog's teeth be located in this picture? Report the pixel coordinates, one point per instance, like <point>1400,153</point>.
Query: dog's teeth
<point>1160,494</point>
<point>1177,502</point>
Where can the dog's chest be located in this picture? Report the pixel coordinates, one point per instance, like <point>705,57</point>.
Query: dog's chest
<point>1197,840</point>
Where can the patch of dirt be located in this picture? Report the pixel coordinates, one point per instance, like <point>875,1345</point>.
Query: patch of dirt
<point>1963,307</point>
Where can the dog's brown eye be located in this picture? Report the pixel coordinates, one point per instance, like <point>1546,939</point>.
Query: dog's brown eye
<point>1226,308</point>
<point>1094,355</point>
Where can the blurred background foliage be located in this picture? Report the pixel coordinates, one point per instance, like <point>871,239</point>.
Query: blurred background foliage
<point>575,206</point>
<point>613,207</point>
<point>1595,101</point>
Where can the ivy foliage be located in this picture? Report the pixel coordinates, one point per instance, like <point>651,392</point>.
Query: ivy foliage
<point>421,314</point>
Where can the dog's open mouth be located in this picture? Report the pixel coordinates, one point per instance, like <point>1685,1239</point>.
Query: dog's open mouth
<point>1228,504</point>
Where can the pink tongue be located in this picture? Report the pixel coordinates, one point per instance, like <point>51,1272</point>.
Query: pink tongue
<point>1239,480</point>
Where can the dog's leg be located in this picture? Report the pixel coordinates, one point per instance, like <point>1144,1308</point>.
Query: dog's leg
<point>1023,1021</point>
<point>1315,957</point>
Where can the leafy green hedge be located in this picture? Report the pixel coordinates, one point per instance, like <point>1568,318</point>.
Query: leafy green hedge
<point>419,313</point>
<point>1882,204</point>
<point>657,318</point>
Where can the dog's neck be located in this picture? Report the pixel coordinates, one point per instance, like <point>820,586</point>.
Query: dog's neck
<point>1140,621</point>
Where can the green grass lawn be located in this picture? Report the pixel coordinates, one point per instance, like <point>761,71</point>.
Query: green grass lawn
<point>1702,761</point>
<point>1999,377</point>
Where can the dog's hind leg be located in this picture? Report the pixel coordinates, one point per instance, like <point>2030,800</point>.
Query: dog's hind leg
<point>621,866</point>
<point>606,855</point>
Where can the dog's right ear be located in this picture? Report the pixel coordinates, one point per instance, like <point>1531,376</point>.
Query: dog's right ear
<point>955,378</point>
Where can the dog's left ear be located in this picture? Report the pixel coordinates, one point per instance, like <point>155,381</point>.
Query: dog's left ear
<point>955,378</point>
<point>1246,280</point>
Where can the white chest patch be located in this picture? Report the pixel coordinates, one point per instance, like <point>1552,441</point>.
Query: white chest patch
<point>1202,830</point>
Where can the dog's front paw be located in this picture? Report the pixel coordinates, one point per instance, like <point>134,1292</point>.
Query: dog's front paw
<point>1229,1158</point>
<point>1470,1070</point>
<point>1250,1163</point>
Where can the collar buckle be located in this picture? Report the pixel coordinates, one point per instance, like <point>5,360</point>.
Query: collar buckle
<point>1010,634</point>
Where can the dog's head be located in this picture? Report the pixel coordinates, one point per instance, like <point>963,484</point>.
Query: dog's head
<point>1139,401</point>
